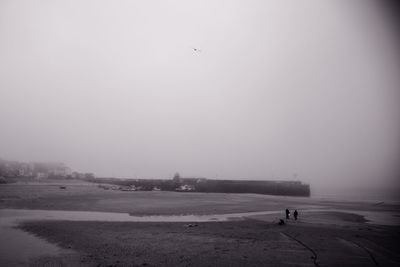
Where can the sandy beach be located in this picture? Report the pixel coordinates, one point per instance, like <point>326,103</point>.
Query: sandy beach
<point>328,232</point>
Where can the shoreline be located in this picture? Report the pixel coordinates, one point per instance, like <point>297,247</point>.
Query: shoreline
<point>338,232</point>
<point>311,216</point>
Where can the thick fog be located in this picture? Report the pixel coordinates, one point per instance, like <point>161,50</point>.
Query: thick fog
<point>305,90</point>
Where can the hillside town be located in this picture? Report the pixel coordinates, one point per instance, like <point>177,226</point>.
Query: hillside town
<point>39,170</point>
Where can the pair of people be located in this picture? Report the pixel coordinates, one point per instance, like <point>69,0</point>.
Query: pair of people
<point>295,214</point>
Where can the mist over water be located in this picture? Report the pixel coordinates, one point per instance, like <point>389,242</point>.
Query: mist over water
<point>272,90</point>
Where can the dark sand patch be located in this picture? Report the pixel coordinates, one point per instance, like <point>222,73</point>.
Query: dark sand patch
<point>238,243</point>
<point>65,260</point>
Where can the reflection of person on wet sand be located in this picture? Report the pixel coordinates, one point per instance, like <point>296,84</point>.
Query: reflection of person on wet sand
<point>295,214</point>
<point>287,214</point>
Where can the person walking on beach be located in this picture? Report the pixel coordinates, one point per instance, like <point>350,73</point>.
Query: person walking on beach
<point>295,214</point>
<point>287,214</point>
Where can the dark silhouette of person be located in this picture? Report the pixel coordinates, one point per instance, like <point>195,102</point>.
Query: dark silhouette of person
<point>287,214</point>
<point>295,214</point>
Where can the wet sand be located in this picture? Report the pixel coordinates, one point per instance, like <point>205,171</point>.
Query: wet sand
<point>233,243</point>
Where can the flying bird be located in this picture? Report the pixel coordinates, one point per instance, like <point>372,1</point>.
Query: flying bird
<point>196,49</point>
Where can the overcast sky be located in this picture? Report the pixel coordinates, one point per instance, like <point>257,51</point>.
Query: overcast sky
<point>279,88</point>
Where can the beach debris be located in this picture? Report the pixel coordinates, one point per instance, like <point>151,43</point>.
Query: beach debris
<point>191,225</point>
<point>63,187</point>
